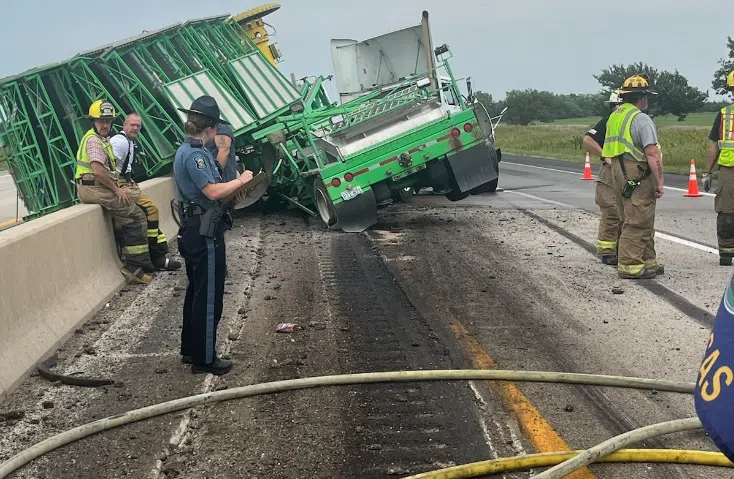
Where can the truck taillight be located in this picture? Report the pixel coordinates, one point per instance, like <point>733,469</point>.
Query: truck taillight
<point>336,182</point>
<point>455,133</point>
<point>348,176</point>
<point>468,128</point>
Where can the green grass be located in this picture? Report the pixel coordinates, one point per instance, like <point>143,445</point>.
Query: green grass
<point>693,119</point>
<point>564,142</point>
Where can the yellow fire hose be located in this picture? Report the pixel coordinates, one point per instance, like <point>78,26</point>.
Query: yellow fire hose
<point>530,461</point>
<point>67,437</point>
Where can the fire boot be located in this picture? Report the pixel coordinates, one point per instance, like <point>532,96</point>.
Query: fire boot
<point>610,259</point>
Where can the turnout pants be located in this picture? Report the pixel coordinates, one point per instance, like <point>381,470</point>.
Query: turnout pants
<point>157,241</point>
<point>128,223</point>
<point>637,241</point>
<point>724,206</point>
<point>205,266</point>
<point>610,225</point>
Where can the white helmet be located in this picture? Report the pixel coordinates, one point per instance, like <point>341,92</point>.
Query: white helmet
<point>614,98</point>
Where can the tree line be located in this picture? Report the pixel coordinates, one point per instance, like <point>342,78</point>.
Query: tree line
<point>675,96</point>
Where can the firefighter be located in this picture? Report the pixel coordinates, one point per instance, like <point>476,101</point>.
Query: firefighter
<point>203,197</point>
<point>606,198</point>
<point>722,149</point>
<point>124,145</point>
<point>96,177</point>
<point>631,142</point>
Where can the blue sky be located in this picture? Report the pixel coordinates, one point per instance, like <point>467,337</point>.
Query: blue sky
<point>502,44</point>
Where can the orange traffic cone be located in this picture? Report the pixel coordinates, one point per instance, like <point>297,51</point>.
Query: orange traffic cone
<point>692,182</point>
<point>587,169</point>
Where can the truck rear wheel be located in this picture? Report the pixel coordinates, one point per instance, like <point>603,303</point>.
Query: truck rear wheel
<point>488,187</point>
<point>456,195</point>
<point>324,205</point>
<point>403,194</point>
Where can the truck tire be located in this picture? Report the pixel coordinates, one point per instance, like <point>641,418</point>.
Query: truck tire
<point>403,195</point>
<point>456,195</point>
<point>324,205</point>
<point>488,187</point>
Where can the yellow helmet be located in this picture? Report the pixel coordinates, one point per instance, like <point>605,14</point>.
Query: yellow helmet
<point>102,110</point>
<point>730,79</point>
<point>636,84</point>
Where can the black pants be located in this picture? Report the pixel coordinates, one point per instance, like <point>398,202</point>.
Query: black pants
<point>205,266</point>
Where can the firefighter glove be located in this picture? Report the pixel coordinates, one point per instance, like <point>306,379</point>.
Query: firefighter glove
<point>706,181</point>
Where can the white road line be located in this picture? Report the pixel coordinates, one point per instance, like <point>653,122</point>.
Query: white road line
<point>542,168</point>
<point>557,203</point>
<point>579,175</point>
<point>658,234</point>
<point>685,242</point>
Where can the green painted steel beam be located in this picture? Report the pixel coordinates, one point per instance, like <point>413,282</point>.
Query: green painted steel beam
<point>59,157</point>
<point>24,154</point>
<point>161,133</point>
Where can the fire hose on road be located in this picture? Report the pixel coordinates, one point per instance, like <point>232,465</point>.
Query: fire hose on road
<point>566,462</point>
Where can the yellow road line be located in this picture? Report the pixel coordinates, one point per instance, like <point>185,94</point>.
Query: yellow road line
<point>538,431</point>
<point>10,222</point>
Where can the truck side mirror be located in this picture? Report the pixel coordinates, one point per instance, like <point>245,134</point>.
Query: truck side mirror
<point>470,93</point>
<point>441,50</point>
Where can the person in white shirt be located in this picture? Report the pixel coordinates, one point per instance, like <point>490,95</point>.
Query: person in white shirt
<point>124,146</point>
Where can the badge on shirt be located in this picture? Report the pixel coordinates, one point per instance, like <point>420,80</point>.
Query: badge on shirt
<point>200,163</point>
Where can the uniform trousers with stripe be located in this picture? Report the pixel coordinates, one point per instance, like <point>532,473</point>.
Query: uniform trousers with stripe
<point>610,224</point>
<point>128,222</point>
<point>157,241</point>
<point>205,266</point>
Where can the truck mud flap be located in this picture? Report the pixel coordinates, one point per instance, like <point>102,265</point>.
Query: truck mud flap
<point>358,214</point>
<point>474,166</point>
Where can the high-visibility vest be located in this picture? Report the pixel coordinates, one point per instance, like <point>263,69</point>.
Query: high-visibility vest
<point>618,139</point>
<point>726,142</point>
<point>83,166</point>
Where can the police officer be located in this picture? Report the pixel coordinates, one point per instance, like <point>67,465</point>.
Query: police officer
<point>204,218</point>
<point>610,224</point>
<point>631,142</point>
<point>722,153</point>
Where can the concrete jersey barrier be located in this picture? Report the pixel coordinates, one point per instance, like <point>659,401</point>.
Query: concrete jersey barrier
<point>56,272</point>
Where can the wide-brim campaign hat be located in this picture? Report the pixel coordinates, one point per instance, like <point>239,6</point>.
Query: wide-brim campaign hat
<point>205,106</point>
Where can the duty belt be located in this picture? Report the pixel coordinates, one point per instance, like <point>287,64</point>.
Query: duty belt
<point>190,209</point>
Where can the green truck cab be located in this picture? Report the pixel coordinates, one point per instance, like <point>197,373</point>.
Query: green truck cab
<point>420,131</point>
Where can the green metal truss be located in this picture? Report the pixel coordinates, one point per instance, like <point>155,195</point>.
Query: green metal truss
<point>55,148</point>
<point>24,155</point>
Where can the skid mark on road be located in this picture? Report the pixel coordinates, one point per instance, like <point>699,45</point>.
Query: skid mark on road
<point>658,234</point>
<point>699,315</point>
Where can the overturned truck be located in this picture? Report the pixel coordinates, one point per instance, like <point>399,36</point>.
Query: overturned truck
<point>402,122</point>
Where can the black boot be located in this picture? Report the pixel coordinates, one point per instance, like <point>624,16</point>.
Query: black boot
<point>218,367</point>
<point>167,264</point>
<point>725,260</point>
<point>610,259</point>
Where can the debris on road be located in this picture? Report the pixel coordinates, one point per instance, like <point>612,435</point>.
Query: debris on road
<point>285,328</point>
<point>12,415</point>
<point>44,369</point>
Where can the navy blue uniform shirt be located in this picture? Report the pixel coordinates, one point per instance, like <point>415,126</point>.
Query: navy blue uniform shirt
<point>193,169</point>
<point>599,131</point>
